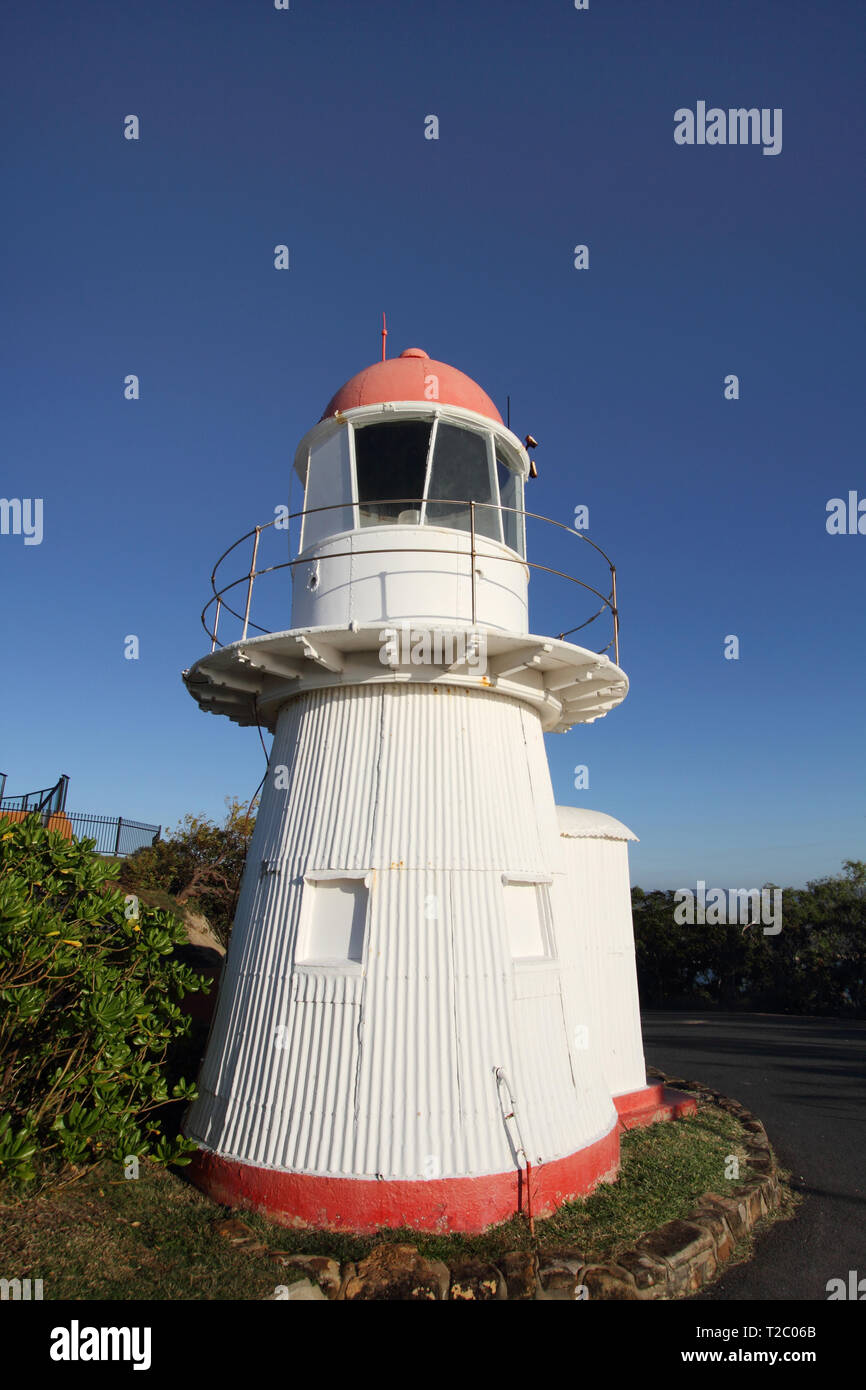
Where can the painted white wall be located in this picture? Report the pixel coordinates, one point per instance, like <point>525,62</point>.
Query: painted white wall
<point>394,574</point>
<point>598,946</point>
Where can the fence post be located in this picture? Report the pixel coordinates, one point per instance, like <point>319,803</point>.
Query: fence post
<point>252,576</point>
<point>117,837</point>
<point>615,614</point>
<point>216,624</point>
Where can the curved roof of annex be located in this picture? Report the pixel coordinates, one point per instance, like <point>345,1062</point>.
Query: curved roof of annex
<point>578,823</point>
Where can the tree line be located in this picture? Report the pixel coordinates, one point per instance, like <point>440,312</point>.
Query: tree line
<point>816,963</point>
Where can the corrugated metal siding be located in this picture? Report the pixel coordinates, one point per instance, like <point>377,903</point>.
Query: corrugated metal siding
<point>542,1075</point>
<point>482,1018</point>
<point>456,782</point>
<point>409,1089</point>
<point>598,954</point>
<point>435,792</point>
<point>329,741</point>
<point>592,1090</point>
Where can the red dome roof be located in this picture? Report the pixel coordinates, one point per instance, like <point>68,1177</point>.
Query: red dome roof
<point>406,378</point>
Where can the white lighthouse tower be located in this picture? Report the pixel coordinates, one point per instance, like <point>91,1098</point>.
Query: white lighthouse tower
<point>422,1020</point>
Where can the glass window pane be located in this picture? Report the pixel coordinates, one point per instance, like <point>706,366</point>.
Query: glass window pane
<point>461,472</point>
<point>391,461</point>
<point>328,482</point>
<point>510,493</point>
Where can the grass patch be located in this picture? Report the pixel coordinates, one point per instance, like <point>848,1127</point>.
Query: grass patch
<point>103,1237</point>
<point>666,1169</point>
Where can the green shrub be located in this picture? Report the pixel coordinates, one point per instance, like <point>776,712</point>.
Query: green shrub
<point>89,994</point>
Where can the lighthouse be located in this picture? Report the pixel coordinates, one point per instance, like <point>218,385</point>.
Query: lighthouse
<point>428,1015</point>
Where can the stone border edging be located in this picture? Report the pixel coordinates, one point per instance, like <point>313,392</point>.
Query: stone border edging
<point>681,1255</point>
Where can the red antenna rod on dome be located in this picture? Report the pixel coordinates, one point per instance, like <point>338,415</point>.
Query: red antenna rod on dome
<point>384,336</point>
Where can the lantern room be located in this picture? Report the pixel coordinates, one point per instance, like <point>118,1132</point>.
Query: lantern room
<point>411,458</point>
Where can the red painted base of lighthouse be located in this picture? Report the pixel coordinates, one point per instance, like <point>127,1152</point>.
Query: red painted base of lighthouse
<point>652,1103</point>
<point>438,1204</point>
<point>435,1204</point>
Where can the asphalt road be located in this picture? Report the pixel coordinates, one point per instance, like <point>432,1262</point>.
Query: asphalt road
<point>805,1078</point>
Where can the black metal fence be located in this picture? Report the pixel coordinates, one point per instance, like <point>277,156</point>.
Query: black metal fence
<point>48,799</point>
<point>113,834</point>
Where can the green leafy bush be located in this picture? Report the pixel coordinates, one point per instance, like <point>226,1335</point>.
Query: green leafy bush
<point>89,994</point>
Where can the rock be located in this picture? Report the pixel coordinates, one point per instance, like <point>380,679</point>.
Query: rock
<point>712,1220</point>
<point>240,1235</point>
<point>474,1280</point>
<point>348,1272</point>
<point>442,1273</point>
<point>759,1150</point>
<point>733,1107</point>
<point>559,1279</point>
<point>675,1242</point>
<point>650,1275</point>
<point>734,1209</point>
<point>200,932</point>
<point>397,1273</point>
<point>761,1195</point>
<point>609,1282</point>
<point>762,1164</point>
<point>324,1271</point>
<point>769,1185</point>
<point>233,1229</point>
<point>520,1268</point>
<point>303,1292</point>
<point>751,1194</point>
<point>688,1250</point>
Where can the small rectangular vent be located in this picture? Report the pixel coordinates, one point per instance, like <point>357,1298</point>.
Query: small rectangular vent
<point>527,917</point>
<point>334,922</point>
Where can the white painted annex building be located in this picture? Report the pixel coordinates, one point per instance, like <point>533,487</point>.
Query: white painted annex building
<point>429,1011</point>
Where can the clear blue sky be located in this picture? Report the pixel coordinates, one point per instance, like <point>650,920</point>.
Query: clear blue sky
<point>306,127</point>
